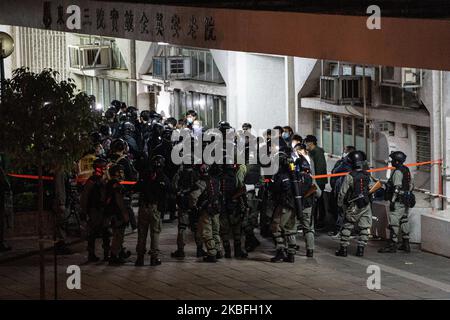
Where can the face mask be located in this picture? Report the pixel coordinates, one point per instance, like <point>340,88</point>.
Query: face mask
<point>190,120</point>
<point>344,154</point>
<point>285,135</point>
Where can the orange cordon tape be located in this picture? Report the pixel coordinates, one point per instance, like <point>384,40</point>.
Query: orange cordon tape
<point>417,164</point>
<point>47,178</point>
<point>321,176</point>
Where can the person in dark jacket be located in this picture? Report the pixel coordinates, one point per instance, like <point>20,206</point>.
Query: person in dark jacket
<point>317,155</point>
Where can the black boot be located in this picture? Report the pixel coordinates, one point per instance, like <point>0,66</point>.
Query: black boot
<point>93,258</point>
<point>290,258</point>
<point>219,255</point>
<point>227,249</point>
<point>139,261</point>
<point>124,254</point>
<point>309,253</point>
<point>106,255</point>
<point>238,253</point>
<point>405,246</point>
<point>360,251</point>
<point>155,261</point>
<point>390,248</point>
<point>116,260</point>
<point>280,256</point>
<point>211,259</point>
<point>251,242</point>
<point>201,252</point>
<point>342,252</point>
<point>179,253</point>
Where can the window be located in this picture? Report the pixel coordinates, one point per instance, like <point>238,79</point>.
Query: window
<point>348,132</point>
<point>334,132</point>
<point>423,148</point>
<point>359,135</point>
<point>337,134</point>
<point>326,132</point>
<point>210,108</point>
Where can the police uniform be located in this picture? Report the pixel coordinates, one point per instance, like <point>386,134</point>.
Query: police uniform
<point>230,217</point>
<point>116,209</point>
<point>92,208</point>
<point>398,213</point>
<point>250,222</point>
<point>189,190</point>
<point>209,222</point>
<point>284,220</point>
<point>152,187</point>
<point>399,194</point>
<point>357,213</point>
<point>307,220</point>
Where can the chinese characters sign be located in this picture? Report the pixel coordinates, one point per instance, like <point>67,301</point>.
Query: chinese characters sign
<point>140,21</point>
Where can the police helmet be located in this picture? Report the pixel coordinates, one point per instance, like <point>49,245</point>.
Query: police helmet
<point>223,125</point>
<point>116,105</point>
<point>283,159</point>
<point>110,114</point>
<point>95,138</point>
<point>105,130</point>
<point>398,158</point>
<point>158,161</point>
<point>357,159</point>
<point>127,128</point>
<point>145,115</point>
<point>132,113</point>
<point>118,145</point>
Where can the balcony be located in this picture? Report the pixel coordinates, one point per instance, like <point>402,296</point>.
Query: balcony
<point>344,89</point>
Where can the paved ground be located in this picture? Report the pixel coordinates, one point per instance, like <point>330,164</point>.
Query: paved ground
<point>417,275</point>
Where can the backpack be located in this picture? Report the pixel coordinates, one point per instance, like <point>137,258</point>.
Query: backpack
<point>408,198</point>
<point>360,189</point>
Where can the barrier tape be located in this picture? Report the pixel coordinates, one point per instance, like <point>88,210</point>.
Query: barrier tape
<point>321,176</point>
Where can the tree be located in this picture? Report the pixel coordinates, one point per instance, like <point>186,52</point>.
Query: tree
<point>45,123</point>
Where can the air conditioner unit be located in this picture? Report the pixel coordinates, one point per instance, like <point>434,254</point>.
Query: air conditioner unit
<point>84,57</point>
<point>401,77</point>
<point>174,67</point>
<point>344,89</point>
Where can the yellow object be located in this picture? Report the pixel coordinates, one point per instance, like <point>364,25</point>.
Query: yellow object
<point>292,166</point>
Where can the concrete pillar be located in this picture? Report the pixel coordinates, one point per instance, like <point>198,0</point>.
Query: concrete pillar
<point>290,91</point>
<point>132,90</point>
<point>436,136</point>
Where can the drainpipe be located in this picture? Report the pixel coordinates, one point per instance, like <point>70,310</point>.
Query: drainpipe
<point>443,155</point>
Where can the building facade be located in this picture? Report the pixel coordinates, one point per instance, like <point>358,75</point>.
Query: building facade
<point>378,109</point>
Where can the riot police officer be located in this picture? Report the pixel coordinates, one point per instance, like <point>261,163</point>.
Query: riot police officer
<point>354,198</point>
<point>209,209</point>
<point>152,187</point>
<point>284,224</point>
<point>310,193</point>
<point>399,194</point>
<point>92,210</point>
<point>115,209</point>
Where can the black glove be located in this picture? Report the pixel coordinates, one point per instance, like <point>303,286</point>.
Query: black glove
<point>392,206</point>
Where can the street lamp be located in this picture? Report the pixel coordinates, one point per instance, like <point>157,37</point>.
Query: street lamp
<point>6,49</point>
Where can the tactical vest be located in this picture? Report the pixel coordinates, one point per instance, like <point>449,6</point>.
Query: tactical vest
<point>97,195</point>
<point>360,189</point>
<point>187,179</point>
<point>228,183</point>
<point>111,207</point>
<point>306,184</point>
<point>407,197</point>
<point>253,174</point>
